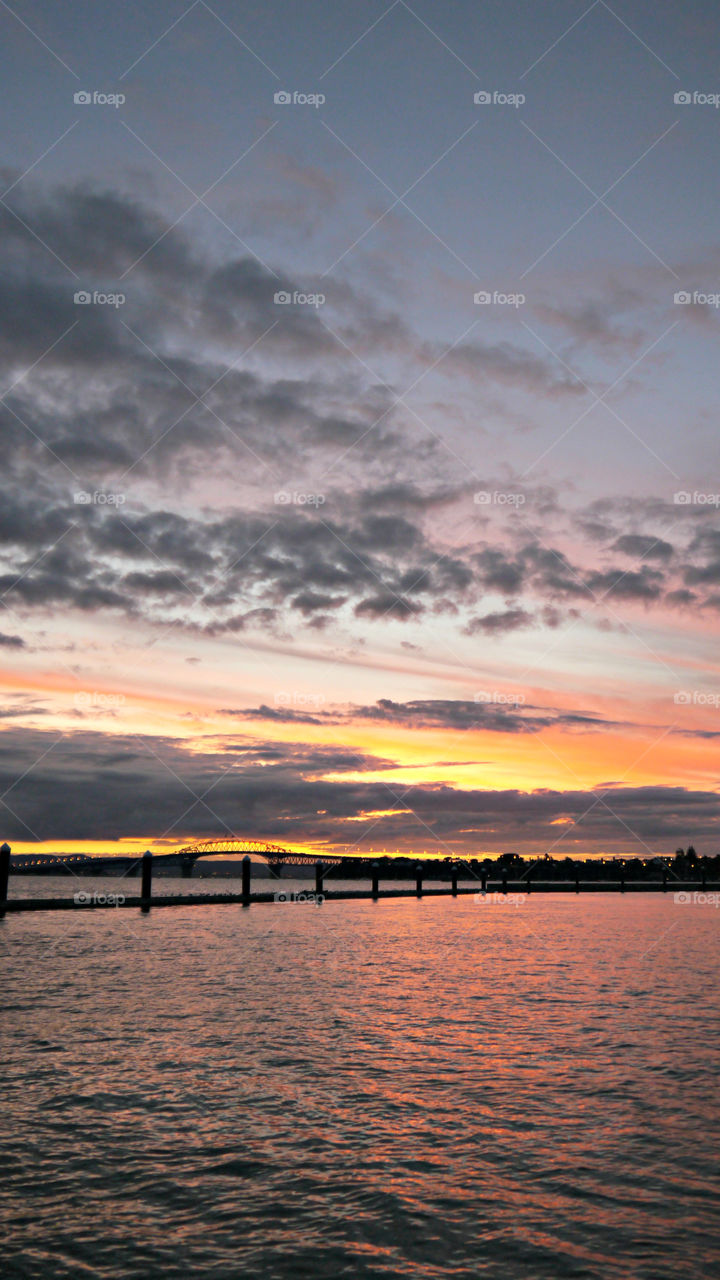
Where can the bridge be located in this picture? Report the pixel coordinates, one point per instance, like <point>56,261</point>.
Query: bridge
<point>276,856</point>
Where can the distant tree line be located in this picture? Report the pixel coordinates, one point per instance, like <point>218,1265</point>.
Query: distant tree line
<point>684,865</point>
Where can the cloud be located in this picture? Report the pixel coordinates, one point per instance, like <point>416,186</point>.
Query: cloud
<point>90,786</point>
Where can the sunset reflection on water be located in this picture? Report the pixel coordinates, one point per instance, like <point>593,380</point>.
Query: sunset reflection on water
<point>421,1089</point>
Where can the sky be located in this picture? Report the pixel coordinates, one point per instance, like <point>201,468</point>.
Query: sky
<point>359,426</point>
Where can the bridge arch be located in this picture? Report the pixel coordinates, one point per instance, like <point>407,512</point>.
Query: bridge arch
<point>277,855</point>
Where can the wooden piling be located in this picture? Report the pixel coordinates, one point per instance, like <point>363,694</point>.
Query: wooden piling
<point>375,880</point>
<point>246,871</point>
<point>318,878</point>
<point>504,884</point>
<point>4,876</point>
<point>146,889</point>
<point>454,880</point>
<point>418,880</point>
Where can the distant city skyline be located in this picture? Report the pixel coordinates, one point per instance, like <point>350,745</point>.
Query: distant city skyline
<point>359,426</point>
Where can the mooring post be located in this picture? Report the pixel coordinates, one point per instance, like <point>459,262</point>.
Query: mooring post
<point>483,881</point>
<point>318,878</point>
<point>664,881</point>
<point>4,876</point>
<point>418,880</point>
<point>622,884</point>
<point>577,884</point>
<point>246,865</point>
<point>504,883</point>
<point>454,879</point>
<point>704,878</point>
<point>375,879</point>
<point>146,889</point>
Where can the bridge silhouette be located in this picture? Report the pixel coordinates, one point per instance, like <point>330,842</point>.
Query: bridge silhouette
<point>277,856</point>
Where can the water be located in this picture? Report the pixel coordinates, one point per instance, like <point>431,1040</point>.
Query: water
<point>404,1089</point>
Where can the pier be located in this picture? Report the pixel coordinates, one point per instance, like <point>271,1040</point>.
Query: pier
<point>499,888</point>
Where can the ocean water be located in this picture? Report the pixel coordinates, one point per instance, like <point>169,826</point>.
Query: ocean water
<point>448,1088</point>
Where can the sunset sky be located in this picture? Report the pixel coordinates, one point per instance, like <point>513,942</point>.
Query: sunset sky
<point>381,566</point>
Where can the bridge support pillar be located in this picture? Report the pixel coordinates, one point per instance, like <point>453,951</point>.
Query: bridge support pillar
<point>246,869</point>
<point>186,870</point>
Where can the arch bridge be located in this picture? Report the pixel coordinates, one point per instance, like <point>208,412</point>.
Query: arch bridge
<point>277,856</point>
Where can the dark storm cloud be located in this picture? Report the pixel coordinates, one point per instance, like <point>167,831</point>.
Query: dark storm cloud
<point>91,786</point>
